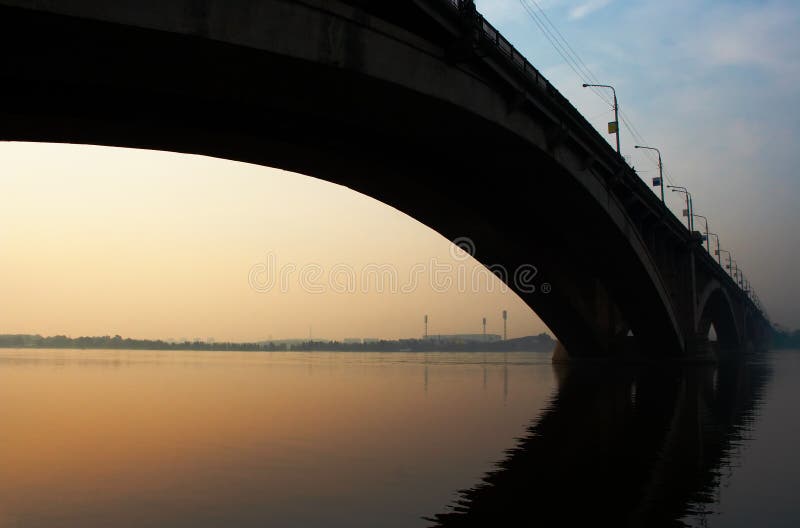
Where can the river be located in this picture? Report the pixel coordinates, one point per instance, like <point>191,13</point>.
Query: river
<point>96,438</point>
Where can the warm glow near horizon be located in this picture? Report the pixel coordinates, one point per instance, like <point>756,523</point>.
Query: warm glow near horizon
<point>146,244</point>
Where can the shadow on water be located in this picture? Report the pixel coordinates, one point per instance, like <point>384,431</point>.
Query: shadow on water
<point>632,446</point>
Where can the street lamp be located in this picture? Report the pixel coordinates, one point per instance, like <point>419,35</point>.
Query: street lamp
<point>688,212</point>
<point>657,182</point>
<point>706,221</point>
<point>719,261</point>
<point>730,261</point>
<point>735,272</point>
<point>613,128</point>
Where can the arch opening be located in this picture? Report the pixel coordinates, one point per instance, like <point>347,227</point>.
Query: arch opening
<point>712,333</point>
<point>718,322</point>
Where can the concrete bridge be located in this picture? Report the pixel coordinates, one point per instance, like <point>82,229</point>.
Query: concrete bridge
<point>418,103</point>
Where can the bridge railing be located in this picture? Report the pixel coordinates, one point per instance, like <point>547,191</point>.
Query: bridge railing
<point>491,34</point>
<point>487,33</point>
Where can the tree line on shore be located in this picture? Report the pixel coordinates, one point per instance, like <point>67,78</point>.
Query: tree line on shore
<point>781,339</point>
<point>537,343</point>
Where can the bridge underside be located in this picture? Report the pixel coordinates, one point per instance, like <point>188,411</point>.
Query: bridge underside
<point>511,189</point>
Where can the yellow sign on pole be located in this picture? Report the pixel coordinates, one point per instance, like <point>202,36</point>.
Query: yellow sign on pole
<point>612,127</point>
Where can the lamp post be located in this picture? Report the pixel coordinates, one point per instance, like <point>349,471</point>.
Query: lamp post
<point>730,261</point>
<point>660,180</point>
<point>684,190</point>
<point>613,128</point>
<point>719,260</point>
<point>706,222</point>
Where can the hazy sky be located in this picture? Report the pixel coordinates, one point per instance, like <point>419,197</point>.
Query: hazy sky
<point>98,241</point>
<point>149,244</point>
<point>713,84</point>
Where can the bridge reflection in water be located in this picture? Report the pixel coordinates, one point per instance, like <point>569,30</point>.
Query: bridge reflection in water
<point>641,446</point>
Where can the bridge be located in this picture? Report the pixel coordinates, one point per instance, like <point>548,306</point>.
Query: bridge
<point>420,104</point>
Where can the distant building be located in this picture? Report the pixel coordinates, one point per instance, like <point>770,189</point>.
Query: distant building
<point>352,341</point>
<point>464,338</point>
<point>290,341</point>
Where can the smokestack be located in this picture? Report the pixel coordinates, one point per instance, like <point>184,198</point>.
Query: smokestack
<point>505,325</point>
<point>484,329</point>
<point>426,326</point>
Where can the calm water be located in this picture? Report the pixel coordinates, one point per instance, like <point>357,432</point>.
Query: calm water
<point>118,438</point>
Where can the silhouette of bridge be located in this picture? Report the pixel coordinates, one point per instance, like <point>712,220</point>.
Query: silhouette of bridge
<point>649,454</point>
<point>420,104</point>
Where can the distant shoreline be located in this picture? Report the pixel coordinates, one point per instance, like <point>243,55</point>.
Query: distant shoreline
<point>538,343</point>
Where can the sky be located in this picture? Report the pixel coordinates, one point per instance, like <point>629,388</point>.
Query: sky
<point>101,241</point>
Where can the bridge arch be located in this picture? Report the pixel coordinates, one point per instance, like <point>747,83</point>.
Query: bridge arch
<point>715,306</point>
<point>333,91</point>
